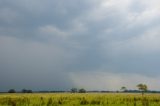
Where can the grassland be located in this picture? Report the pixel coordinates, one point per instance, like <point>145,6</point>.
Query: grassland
<point>77,99</point>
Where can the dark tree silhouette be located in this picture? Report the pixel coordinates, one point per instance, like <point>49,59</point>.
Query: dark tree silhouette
<point>11,91</point>
<point>26,91</point>
<point>82,90</point>
<point>29,91</point>
<point>123,88</point>
<point>74,90</point>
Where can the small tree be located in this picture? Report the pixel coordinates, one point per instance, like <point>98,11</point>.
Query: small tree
<point>143,88</point>
<point>74,90</point>
<point>82,90</point>
<point>123,88</point>
<point>11,91</point>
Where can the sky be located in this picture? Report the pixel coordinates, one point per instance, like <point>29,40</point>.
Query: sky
<point>91,44</point>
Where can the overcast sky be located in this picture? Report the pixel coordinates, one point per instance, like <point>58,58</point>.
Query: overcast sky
<point>91,44</point>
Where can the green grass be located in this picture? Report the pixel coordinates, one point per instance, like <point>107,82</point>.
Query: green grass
<point>77,99</point>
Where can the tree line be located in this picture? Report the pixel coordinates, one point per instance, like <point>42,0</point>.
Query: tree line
<point>141,88</point>
<point>22,91</point>
<point>73,90</point>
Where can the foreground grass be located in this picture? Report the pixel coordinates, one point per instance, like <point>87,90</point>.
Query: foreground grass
<point>87,99</point>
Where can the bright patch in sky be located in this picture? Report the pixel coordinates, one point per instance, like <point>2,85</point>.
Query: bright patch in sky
<point>94,44</point>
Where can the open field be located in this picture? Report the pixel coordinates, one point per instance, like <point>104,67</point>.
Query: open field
<point>77,99</point>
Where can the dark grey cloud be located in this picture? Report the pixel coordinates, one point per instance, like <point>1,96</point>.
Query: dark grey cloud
<point>45,44</point>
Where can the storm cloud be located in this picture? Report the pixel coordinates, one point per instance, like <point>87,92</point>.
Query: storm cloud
<point>94,44</point>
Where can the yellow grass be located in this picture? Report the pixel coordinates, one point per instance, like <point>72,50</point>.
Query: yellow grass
<point>78,99</point>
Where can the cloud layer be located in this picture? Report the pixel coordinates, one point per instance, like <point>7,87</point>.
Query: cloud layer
<point>57,45</point>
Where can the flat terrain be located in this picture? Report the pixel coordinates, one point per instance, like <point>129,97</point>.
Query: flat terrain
<point>77,99</point>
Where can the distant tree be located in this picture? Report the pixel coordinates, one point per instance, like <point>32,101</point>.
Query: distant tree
<point>82,90</point>
<point>142,87</point>
<point>26,91</point>
<point>74,90</point>
<point>11,91</point>
<point>123,88</point>
<point>29,91</point>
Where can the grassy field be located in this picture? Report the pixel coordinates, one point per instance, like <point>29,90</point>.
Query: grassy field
<point>77,99</point>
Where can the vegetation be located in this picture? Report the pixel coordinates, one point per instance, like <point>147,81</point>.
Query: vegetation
<point>79,99</point>
<point>143,88</point>
<point>74,90</point>
<point>26,91</point>
<point>123,88</point>
<point>82,90</point>
<point>11,91</point>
